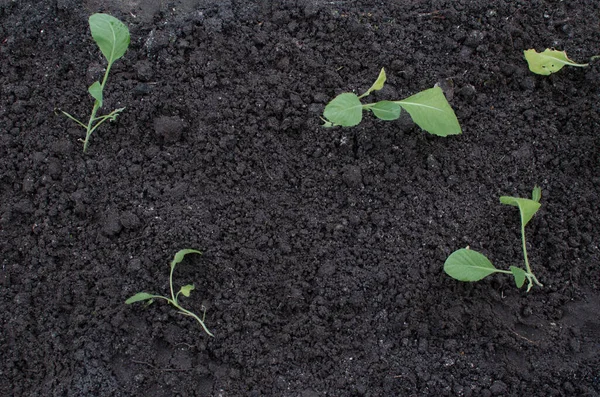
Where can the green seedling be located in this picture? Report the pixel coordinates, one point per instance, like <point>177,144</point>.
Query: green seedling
<point>550,61</point>
<point>468,265</point>
<point>185,291</point>
<point>429,109</point>
<point>112,37</point>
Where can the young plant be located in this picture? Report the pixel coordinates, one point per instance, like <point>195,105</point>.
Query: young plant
<point>185,291</point>
<point>468,265</point>
<point>429,109</point>
<point>112,37</point>
<point>549,61</point>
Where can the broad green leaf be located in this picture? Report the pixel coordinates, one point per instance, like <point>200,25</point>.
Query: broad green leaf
<point>468,265</point>
<point>186,289</point>
<point>386,110</point>
<point>527,207</point>
<point>377,85</point>
<point>111,35</point>
<point>344,110</point>
<point>536,195</point>
<point>140,296</point>
<point>431,111</point>
<point>95,91</point>
<point>549,61</point>
<point>181,254</point>
<point>519,275</point>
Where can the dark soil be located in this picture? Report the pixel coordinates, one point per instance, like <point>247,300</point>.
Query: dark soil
<point>323,248</point>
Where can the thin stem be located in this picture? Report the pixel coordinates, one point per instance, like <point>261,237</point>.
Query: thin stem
<point>182,310</point>
<point>175,303</point>
<point>74,119</point>
<point>106,75</point>
<point>90,128</point>
<point>111,116</point>
<point>530,274</point>
<point>171,286</point>
<point>161,297</point>
<point>525,248</point>
<point>186,312</point>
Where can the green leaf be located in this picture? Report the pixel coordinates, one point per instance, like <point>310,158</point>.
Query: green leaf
<point>527,207</point>
<point>111,35</point>
<point>386,110</point>
<point>431,111</point>
<point>186,289</point>
<point>95,91</point>
<point>549,61</point>
<point>468,265</point>
<point>140,296</point>
<point>181,254</point>
<point>377,85</point>
<point>519,275</point>
<point>344,110</point>
<point>536,195</point>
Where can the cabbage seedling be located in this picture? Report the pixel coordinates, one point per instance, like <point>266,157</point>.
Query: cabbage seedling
<point>429,109</point>
<point>185,291</point>
<point>549,61</point>
<point>112,37</point>
<point>468,265</point>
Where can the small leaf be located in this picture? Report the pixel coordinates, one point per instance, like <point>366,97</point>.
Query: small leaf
<point>519,275</point>
<point>549,61</point>
<point>468,265</point>
<point>95,91</point>
<point>344,110</point>
<point>113,115</point>
<point>386,110</point>
<point>186,289</point>
<point>377,85</point>
<point>527,207</point>
<point>536,195</point>
<point>181,254</point>
<point>111,35</point>
<point>140,296</point>
<point>431,111</point>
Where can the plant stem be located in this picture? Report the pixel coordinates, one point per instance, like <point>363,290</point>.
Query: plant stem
<point>530,274</point>
<point>90,127</point>
<point>189,313</point>
<point>183,311</point>
<point>171,285</point>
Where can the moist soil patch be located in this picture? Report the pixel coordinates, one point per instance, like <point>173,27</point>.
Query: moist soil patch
<point>323,249</point>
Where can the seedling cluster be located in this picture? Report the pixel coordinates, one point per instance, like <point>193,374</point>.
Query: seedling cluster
<point>469,265</point>
<point>429,109</point>
<point>173,300</point>
<point>112,37</point>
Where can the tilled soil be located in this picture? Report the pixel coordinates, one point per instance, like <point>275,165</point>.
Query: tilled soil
<point>323,249</point>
